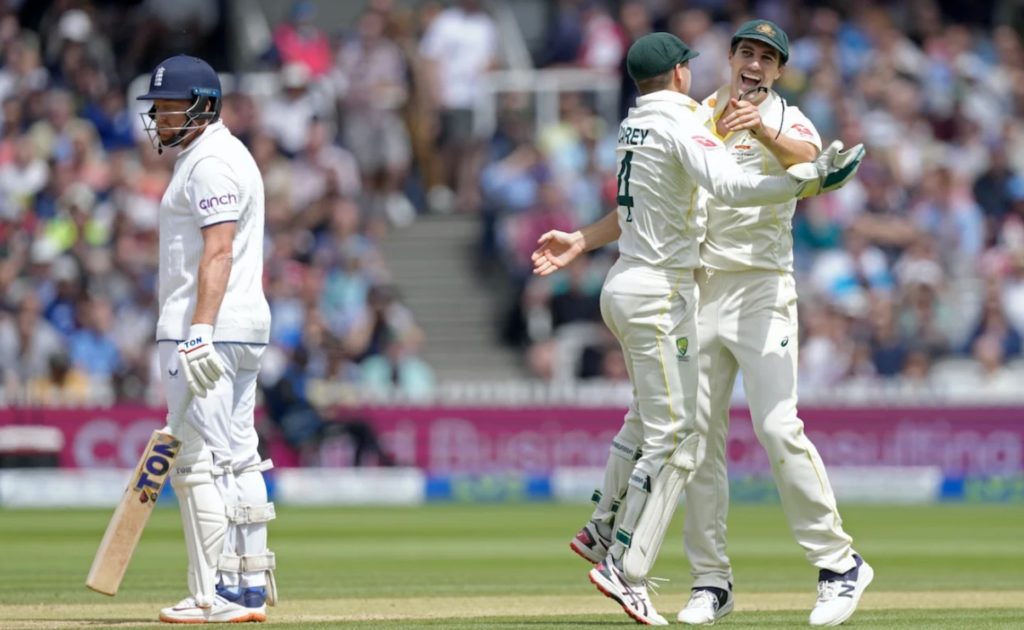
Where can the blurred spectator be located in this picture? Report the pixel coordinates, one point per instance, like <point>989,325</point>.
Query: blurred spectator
<point>694,26</point>
<point>826,352</point>
<point>992,323</point>
<point>385,318</point>
<point>322,169</point>
<point>61,386</point>
<point>565,33</point>
<point>991,380</point>
<point>604,43</point>
<point>61,309</point>
<point>398,370</point>
<point>888,348</point>
<point>947,213</point>
<point>373,76</point>
<point>845,274</point>
<point>301,42</point>
<point>24,177</point>
<point>288,117</point>
<point>92,348</point>
<point>461,43</point>
<point>112,120</point>
<point>26,344</point>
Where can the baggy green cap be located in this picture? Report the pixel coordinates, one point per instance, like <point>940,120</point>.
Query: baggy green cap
<point>764,31</point>
<point>655,54</point>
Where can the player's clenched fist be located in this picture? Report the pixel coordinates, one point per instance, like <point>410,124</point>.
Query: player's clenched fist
<point>555,250</point>
<point>744,115</point>
<point>202,365</point>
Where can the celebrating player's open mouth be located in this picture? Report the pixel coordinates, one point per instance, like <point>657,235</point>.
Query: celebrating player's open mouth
<point>748,81</point>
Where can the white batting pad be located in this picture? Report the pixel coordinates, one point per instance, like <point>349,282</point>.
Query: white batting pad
<point>204,522</point>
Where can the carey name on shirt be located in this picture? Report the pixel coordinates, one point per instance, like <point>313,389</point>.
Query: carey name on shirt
<point>632,135</point>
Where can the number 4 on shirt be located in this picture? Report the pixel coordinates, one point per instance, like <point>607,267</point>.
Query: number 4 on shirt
<point>623,197</point>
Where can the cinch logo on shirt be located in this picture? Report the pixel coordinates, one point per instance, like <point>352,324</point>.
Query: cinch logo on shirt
<point>217,200</point>
<point>704,141</point>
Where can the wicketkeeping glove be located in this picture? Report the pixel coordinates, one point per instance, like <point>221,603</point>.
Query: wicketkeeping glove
<point>831,170</point>
<point>202,365</point>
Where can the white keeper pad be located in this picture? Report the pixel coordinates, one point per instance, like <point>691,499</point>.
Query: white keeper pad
<point>653,520</point>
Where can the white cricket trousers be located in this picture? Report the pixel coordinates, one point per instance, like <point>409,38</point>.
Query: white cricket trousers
<point>747,320</point>
<point>652,313</point>
<point>223,421</point>
<point>218,435</point>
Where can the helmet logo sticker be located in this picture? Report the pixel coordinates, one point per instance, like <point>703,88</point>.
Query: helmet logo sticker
<point>158,78</point>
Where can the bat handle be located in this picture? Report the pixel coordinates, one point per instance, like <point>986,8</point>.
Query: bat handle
<point>176,418</point>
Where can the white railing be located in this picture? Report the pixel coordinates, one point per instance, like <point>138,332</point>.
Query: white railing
<point>546,87</point>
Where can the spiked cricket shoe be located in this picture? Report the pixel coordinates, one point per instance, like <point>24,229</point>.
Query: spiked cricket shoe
<point>632,597</point>
<point>222,611</point>
<point>839,593</point>
<point>589,544</point>
<point>706,606</point>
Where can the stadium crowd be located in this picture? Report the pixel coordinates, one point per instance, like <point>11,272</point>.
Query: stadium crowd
<point>80,189</point>
<point>912,275</point>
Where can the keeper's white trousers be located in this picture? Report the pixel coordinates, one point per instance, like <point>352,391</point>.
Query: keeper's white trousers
<point>748,321</point>
<point>652,313</point>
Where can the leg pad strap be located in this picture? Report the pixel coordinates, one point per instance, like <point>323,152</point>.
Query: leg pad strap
<point>244,514</point>
<point>241,564</point>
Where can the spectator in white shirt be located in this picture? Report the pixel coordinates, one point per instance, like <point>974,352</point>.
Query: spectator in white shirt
<point>461,44</point>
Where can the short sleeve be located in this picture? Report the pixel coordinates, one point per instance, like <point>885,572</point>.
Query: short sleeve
<point>213,192</point>
<point>799,127</point>
<point>432,44</point>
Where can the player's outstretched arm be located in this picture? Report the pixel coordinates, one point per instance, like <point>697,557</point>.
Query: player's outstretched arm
<point>706,160</point>
<point>556,249</point>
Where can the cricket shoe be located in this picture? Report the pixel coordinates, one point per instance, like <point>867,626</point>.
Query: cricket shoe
<point>223,610</point>
<point>589,544</point>
<point>633,598</point>
<point>839,593</point>
<point>706,606</point>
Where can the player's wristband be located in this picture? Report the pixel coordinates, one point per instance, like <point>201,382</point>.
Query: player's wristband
<point>201,333</point>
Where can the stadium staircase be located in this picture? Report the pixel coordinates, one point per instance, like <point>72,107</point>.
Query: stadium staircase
<point>435,271</point>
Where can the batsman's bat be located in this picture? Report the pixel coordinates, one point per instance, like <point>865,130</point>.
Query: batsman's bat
<point>132,513</point>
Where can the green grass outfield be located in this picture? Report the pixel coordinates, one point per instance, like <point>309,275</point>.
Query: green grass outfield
<point>509,566</point>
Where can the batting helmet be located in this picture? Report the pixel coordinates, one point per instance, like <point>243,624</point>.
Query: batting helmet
<point>183,78</point>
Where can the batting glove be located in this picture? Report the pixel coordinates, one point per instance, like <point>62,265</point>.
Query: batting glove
<point>831,170</point>
<point>202,365</point>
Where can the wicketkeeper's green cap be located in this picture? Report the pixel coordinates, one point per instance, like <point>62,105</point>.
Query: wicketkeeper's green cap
<point>764,31</point>
<point>655,54</point>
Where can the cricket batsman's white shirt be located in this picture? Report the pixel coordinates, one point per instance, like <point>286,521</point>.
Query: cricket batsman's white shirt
<point>665,155</point>
<point>215,180</point>
<point>757,237</point>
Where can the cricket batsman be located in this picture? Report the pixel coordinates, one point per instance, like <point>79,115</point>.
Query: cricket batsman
<point>214,324</point>
<point>747,320</point>
<point>649,301</point>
